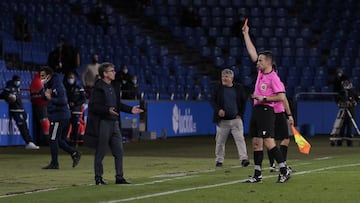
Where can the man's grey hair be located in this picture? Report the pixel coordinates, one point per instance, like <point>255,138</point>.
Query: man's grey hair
<point>227,71</point>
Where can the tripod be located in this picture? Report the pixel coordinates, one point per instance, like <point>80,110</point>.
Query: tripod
<point>339,121</point>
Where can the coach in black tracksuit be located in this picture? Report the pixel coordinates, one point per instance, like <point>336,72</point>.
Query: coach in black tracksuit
<point>103,123</point>
<point>59,115</point>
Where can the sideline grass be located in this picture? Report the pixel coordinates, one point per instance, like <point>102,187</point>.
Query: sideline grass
<point>192,160</point>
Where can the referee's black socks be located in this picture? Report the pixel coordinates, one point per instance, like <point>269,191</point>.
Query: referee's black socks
<point>258,158</point>
<point>279,159</point>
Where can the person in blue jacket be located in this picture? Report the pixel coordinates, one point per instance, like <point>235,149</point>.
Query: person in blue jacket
<point>76,97</point>
<point>59,117</point>
<point>12,96</point>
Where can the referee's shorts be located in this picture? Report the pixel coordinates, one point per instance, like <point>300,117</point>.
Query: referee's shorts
<point>281,126</point>
<point>262,122</point>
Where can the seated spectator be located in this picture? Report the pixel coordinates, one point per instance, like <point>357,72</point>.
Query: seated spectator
<point>129,90</point>
<point>22,30</point>
<point>99,17</point>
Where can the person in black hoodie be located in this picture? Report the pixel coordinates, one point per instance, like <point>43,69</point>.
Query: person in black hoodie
<point>12,96</point>
<point>228,101</point>
<point>103,124</point>
<point>59,115</point>
<point>76,98</point>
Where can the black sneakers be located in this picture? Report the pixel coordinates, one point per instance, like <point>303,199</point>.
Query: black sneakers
<point>245,162</point>
<point>121,181</point>
<point>218,164</point>
<point>99,181</point>
<point>76,158</point>
<point>51,166</point>
<point>254,179</point>
<point>284,177</point>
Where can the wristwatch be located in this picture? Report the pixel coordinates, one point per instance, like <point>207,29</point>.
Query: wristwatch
<point>264,98</point>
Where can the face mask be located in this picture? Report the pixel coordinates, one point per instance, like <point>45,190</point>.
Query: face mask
<point>71,81</point>
<point>44,81</point>
<point>17,83</point>
<point>125,71</point>
<point>134,81</point>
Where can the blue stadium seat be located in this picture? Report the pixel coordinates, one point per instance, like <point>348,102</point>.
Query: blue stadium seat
<point>217,21</point>
<point>256,12</point>
<point>307,71</point>
<point>229,11</point>
<point>213,31</point>
<point>225,3</point>
<point>177,31</point>
<point>217,51</point>
<point>234,42</point>
<point>274,42</point>
<point>205,21</point>
<point>204,11</point>
<point>288,52</point>
<point>261,42</point>
<point>205,51</point>
<point>268,11</point>
<point>185,2</point>
<point>202,41</point>
<point>306,81</point>
<point>267,32</point>
<point>300,52</point>
<point>221,42</point>
<point>217,12</point>
<point>256,22</point>
<point>301,61</point>
<point>229,22</point>
<point>287,42</point>
<point>226,31</point>
<point>219,61</point>
<point>287,61</point>
<point>234,51</point>
<point>299,42</point>
<point>269,22</point>
<point>172,11</point>
<point>279,32</point>
<point>281,12</point>
<point>199,31</point>
<point>211,3</point>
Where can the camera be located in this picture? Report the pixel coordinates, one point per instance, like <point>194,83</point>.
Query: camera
<point>348,97</point>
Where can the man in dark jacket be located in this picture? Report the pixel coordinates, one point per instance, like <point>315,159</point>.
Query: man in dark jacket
<point>76,96</point>
<point>103,124</point>
<point>228,102</point>
<point>59,115</point>
<point>12,95</point>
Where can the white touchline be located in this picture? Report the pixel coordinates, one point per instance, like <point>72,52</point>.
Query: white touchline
<point>222,184</point>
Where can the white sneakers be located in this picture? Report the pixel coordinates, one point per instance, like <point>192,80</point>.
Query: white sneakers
<point>31,145</point>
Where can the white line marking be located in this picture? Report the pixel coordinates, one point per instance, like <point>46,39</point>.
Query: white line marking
<point>29,192</point>
<point>223,184</point>
<point>161,181</point>
<point>324,158</point>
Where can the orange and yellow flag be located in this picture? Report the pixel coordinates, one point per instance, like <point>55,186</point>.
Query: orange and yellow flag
<point>303,145</point>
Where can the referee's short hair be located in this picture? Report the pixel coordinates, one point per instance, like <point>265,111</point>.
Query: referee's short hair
<point>227,71</point>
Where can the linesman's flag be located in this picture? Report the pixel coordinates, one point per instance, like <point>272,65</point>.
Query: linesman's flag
<point>303,145</point>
